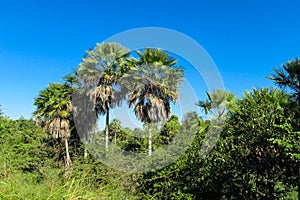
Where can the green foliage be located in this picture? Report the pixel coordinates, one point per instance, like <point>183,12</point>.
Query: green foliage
<point>173,181</point>
<point>22,146</point>
<point>256,156</point>
<point>258,164</point>
<point>29,169</point>
<point>290,141</point>
<point>169,129</point>
<point>245,163</point>
<point>127,139</point>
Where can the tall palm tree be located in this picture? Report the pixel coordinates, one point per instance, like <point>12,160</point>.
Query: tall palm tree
<point>100,70</point>
<point>54,113</point>
<point>152,85</point>
<point>289,77</point>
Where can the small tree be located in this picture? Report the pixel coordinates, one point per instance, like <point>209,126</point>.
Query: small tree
<point>169,129</point>
<point>114,128</point>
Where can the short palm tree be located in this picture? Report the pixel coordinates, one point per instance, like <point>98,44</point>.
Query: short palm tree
<point>100,71</point>
<point>54,113</point>
<point>153,84</point>
<point>218,103</point>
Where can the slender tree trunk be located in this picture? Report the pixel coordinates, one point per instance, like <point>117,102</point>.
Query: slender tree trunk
<point>85,150</point>
<point>150,142</point>
<point>115,137</point>
<point>68,161</point>
<point>256,185</point>
<point>299,186</point>
<point>85,153</point>
<point>106,129</point>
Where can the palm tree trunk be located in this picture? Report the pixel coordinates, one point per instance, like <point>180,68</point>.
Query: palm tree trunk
<point>68,161</point>
<point>298,187</point>
<point>106,129</point>
<point>85,148</point>
<point>115,137</point>
<point>150,142</point>
<point>85,153</point>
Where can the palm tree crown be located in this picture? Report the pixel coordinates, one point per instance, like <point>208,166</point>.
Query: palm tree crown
<point>289,77</point>
<point>100,70</point>
<point>54,107</point>
<point>218,103</point>
<point>153,83</point>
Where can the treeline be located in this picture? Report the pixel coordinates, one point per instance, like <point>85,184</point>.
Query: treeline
<point>248,149</point>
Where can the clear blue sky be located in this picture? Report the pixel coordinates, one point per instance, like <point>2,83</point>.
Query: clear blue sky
<point>41,41</point>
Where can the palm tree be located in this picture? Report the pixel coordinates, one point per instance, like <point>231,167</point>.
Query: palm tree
<point>54,113</point>
<point>218,103</point>
<point>152,84</point>
<point>100,71</point>
<point>115,127</point>
<point>289,77</point>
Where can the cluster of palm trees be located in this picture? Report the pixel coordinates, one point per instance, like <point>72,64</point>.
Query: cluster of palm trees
<point>108,75</point>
